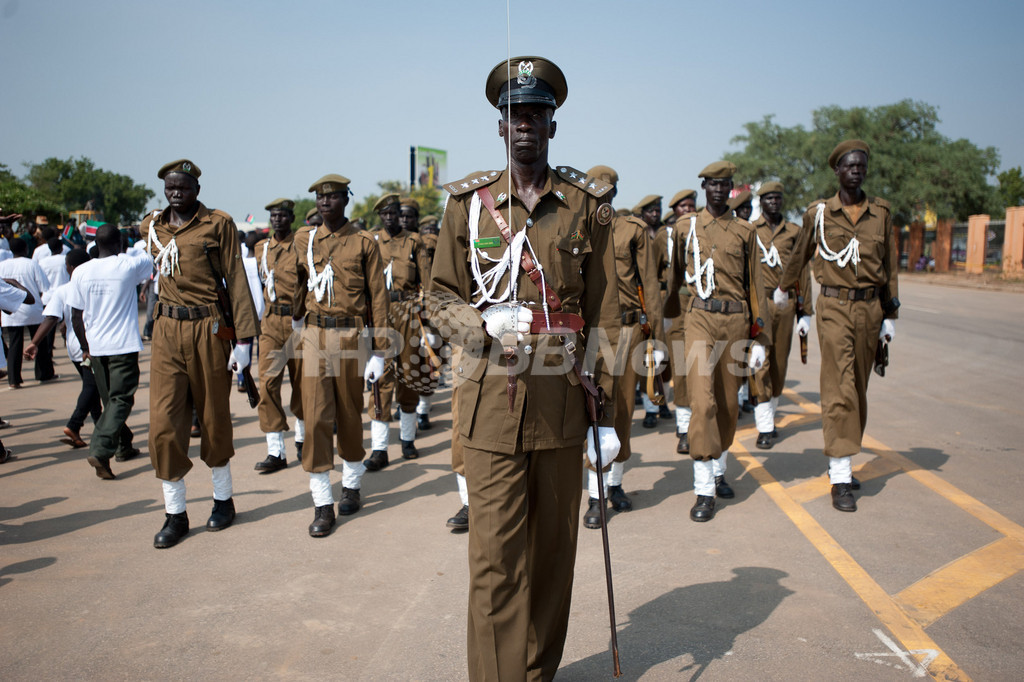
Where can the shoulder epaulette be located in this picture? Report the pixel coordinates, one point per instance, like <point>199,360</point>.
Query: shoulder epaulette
<point>222,214</point>
<point>593,186</point>
<point>878,201</point>
<point>471,182</point>
<point>636,221</point>
<point>814,204</point>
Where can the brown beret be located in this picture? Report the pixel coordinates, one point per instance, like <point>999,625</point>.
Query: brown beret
<point>718,170</point>
<point>330,183</point>
<point>605,173</point>
<point>311,212</point>
<point>769,187</point>
<point>411,203</point>
<point>844,148</point>
<point>680,195</point>
<point>526,80</point>
<point>385,201</point>
<point>286,204</point>
<point>743,197</point>
<point>646,201</point>
<point>669,216</point>
<point>179,166</point>
<point>428,220</point>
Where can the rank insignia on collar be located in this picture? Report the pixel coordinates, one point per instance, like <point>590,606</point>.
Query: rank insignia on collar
<point>559,194</point>
<point>502,197</point>
<point>604,214</point>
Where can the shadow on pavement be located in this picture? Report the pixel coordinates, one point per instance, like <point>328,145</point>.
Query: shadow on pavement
<point>44,529</point>
<point>688,622</point>
<point>25,567</point>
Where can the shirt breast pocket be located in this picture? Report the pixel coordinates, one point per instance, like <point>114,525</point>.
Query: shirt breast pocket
<point>570,253</point>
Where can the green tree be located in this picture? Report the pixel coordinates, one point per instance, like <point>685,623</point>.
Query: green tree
<point>302,206</point>
<point>17,197</point>
<point>429,199</point>
<point>1011,187</point>
<point>912,165</point>
<point>72,183</point>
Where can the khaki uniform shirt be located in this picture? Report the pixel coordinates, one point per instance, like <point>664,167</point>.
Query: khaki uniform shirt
<point>280,261</point>
<point>782,237</point>
<point>879,258</point>
<point>358,274</point>
<point>407,257</point>
<point>635,263</point>
<point>574,250</point>
<point>193,282</point>
<point>731,243</point>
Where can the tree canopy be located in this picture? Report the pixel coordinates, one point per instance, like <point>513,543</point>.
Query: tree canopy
<point>69,184</point>
<point>429,199</point>
<point>1011,187</point>
<point>912,165</point>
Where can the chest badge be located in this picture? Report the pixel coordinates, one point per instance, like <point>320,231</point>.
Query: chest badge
<point>604,214</point>
<point>487,243</point>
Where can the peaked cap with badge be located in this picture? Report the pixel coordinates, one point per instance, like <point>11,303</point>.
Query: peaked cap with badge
<point>332,182</point>
<point>180,166</point>
<point>526,80</point>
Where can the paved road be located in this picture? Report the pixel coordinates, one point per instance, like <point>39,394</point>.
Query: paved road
<point>925,579</point>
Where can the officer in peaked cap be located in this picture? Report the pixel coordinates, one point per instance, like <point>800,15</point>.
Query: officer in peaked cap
<point>521,426</point>
<point>716,258</point>
<point>857,304</point>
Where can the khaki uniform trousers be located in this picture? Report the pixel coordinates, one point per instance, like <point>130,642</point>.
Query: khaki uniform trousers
<point>332,393</point>
<point>624,385</point>
<point>274,358</point>
<point>713,388</point>
<point>848,335</point>
<point>188,359</point>
<point>781,322</point>
<point>677,358</point>
<point>523,524</point>
<point>392,390</point>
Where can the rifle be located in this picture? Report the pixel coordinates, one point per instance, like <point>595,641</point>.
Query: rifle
<point>227,332</point>
<point>758,394</point>
<point>374,386</point>
<point>798,307</point>
<point>432,359</point>
<point>655,384</point>
<point>595,410</point>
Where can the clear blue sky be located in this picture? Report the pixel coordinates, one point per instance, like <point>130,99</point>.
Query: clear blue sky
<point>268,96</point>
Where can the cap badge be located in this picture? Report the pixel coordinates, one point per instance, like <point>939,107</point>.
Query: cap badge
<point>327,188</point>
<point>187,167</point>
<point>525,77</point>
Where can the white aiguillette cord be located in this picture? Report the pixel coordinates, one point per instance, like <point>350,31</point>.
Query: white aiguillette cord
<point>769,257</point>
<point>166,257</point>
<point>703,273</point>
<point>268,274</point>
<point>319,283</point>
<point>848,254</point>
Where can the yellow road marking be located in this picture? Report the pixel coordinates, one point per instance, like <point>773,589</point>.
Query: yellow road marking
<point>958,582</point>
<point>910,634</point>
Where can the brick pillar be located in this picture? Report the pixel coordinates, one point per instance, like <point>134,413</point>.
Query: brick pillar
<point>1013,242</point>
<point>915,245</point>
<point>977,238</point>
<point>943,246</point>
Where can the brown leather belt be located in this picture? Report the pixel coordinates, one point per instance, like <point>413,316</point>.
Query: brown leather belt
<point>717,305</point>
<point>328,322</point>
<point>631,316</point>
<point>402,295</point>
<point>280,309</point>
<point>561,323</point>
<point>184,312</point>
<point>850,294</point>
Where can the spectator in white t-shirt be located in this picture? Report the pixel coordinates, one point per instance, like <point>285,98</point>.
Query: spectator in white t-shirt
<point>105,317</point>
<point>28,316</point>
<point>54,266</point>
<point>12,295</point>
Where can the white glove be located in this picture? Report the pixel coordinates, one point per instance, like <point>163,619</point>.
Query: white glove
<point>374,369</point>
<point>756,355</point>
<point>241,356</point>
<point>888,331</point>
<point>780,297</point>
<point>658,356</point>
<point>298,324</point>
<point>609,446</point>
<point>496,323</point>
<point>432,340</point>
<point>803,325</point>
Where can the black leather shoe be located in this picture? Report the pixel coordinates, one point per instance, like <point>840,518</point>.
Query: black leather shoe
<point>175,528</point>
<point>650,420</point>
<point>592,519</point>
<point>703,509</point>
<point>423,422</point>
<point>460,522</point>
<point>102,467</point>
<point>683,447</point>
<point>842,497</point>
<point>377,461</point>
<point>409,450</point>
<point>222,516</point>
<point>349,503</point>
<point>298,451</point>
<point>664,412</point>
<point>323,521</point>
<point>747,406</point>
<point>854,483</point>
<point>619,499</point>
<point>775,434</point>
<point>126,454</point>
<point>271,464</point>
<point>638,400</point>
<point>764,441</point>
<point>723,489</point>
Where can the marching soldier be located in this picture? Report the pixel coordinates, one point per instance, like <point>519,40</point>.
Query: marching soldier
<point>194,249</point>
<point>339,293</point>
<point>775,239</point>
<point>313,218</point>
<point>683,203</point>
<point>277,268</point>
<point>405,270</point>
<point>632,323</point>
<point>409,215</point>
<point>856,308</point>
<point>716,255</point>
<point>742,205</point>
<point>428,235</point>
<point>648,210</point>
<point>521,408</point>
